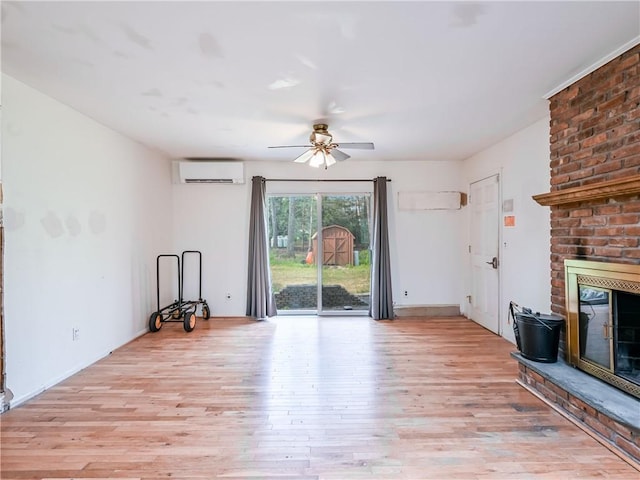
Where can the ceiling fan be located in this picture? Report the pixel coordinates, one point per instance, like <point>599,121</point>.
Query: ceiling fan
<point>323,150</point>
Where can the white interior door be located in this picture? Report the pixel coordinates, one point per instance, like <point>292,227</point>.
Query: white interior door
<point>485,268</point>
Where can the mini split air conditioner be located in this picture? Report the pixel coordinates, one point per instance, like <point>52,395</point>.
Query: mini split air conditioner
<point>210,172</point>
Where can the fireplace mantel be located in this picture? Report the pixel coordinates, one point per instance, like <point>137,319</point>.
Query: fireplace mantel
<point>596,191</point>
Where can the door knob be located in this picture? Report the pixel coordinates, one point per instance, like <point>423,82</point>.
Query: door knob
<point>493,262</point>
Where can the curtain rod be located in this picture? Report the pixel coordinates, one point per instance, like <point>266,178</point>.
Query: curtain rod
<point>319,180</point>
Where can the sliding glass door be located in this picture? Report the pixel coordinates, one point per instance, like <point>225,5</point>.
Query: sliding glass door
<point>319,253</point>
<point>345,272</point>
<point>292,222</point>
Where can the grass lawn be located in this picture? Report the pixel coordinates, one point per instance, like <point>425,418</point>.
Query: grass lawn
<point>293,272</point>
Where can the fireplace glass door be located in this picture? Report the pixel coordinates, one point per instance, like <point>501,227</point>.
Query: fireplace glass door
<point>627,336</point>
<point>596,342</point>
<point>603,321</point>
<point>609,330</point>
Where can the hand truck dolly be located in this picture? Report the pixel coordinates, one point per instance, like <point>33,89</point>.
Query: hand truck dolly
<point>180,310</point>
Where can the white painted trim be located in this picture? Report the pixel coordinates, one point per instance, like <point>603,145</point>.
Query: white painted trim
<point>427,310</point>
<point>607,58</point>
<point>501,255</point>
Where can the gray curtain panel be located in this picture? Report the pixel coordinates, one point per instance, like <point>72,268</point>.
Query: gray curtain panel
<point>381,298</point>
<point>260,301</point>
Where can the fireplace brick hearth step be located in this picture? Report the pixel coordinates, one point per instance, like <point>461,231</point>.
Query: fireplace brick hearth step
<point>610,415</point>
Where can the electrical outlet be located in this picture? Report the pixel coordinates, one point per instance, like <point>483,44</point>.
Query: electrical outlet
<point>76,334</point>
<point>406,294</point>
<point>228,296</point>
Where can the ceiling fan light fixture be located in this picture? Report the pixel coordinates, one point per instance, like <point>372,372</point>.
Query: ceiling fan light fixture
<point>322,150</point>
<point>320,135</point>
<point>305,156</point>
<point>321,138</point>
<point>328,159</point>
<point>317,158</point>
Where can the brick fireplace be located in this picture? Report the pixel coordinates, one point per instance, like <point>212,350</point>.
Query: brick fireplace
<point>594,199</point>
<point>595,138</point>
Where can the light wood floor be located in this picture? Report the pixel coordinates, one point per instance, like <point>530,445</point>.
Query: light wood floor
<point>304,398</point>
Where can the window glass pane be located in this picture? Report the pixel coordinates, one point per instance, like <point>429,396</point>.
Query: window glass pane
<point>594,330</point>
<point>292,221</point>
<point>627,336</point>
<point>346,256</point>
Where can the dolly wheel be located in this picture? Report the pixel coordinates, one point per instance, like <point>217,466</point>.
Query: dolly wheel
<point>176,313</point>
<point>155,321</point>
<point>206,314</point>
<point>189,321</point>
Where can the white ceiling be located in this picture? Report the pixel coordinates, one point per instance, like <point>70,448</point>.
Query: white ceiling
<point>422,80</point>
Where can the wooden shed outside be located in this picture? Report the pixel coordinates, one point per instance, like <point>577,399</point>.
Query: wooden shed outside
<point>337,245</point>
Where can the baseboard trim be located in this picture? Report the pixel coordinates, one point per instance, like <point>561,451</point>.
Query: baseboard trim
<point>427,310</point>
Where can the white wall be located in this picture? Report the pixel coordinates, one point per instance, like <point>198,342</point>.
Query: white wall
<point>86,211</point>
<point>427,246</point>
<point>523,162</point>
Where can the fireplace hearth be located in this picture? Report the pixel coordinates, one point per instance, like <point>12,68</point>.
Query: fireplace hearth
<point>603,321</point>
<point>606,413</point>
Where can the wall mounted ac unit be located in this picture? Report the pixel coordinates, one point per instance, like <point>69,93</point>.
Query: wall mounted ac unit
<point>413,201</point>
<point>210,172</point>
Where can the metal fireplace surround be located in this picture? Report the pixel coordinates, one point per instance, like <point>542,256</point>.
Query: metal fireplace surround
<point>603,321</point>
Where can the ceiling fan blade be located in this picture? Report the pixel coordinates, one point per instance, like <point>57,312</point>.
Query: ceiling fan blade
<point>291,146</point>
<point>356,145</point>
<point>338,155</point>
<point>305,156</point>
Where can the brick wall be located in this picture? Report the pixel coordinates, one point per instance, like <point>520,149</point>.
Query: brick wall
<point>594,137</point>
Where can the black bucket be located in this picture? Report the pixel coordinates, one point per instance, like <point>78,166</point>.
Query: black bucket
<point>538,335</point>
